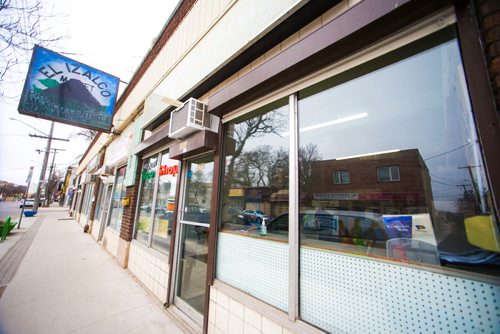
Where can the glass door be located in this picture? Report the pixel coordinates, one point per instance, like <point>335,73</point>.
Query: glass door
<point>192,245</point>
<point>105,209</point>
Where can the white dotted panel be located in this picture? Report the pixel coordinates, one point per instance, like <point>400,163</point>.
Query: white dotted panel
<point>343,294</point>
<point>258,267</point>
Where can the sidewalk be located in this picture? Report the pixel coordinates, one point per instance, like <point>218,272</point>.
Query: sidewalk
<point>66,283</point>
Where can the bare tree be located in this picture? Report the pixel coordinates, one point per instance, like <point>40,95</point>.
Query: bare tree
<point>21,27</point>
<point>88,134</point>
<point>271,122</point>
<point>307,156</point>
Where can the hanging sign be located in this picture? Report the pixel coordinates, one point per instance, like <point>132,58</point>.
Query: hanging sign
<point>60,89</point>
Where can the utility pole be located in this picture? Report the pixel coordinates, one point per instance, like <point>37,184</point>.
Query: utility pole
<point>45,159</point>
<point>47,198</point>
<point>44,167</point>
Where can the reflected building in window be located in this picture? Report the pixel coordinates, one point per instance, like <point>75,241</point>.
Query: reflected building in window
<point>395,182</point>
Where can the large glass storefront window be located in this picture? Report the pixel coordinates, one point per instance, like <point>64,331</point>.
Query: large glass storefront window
<point>119,190</point>
<point>389,167</point>
<point>256,191</point>
<point>156,205</point>
<point>417,191</point>
<point>417,184</point>
<point>145,208</point>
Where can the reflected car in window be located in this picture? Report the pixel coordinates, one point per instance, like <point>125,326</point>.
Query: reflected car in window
<point>255,216</point>
<point>351,227</point>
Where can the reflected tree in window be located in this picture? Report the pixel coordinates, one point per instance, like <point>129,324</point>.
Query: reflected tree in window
<point>198,186</point>
<point>255,127</point>
<point>307,156</point>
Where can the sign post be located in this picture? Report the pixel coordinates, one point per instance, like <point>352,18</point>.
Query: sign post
<point>28,181</point>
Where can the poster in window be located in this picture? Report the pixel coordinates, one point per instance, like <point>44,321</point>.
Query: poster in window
<point>398,226</point>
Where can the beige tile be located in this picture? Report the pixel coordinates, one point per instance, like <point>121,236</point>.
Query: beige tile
<point>271,327</point>
<point>213,294</point>
<point>222,319</point>
<point>253,318</point>
<point>211,328</point>
<point>236,308</point>
<point>235,324</point>
<point>211,311</point>
<point>249,329</point>
<point>222,300</point>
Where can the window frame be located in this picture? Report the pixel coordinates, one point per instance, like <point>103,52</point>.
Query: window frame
<point>391,178</point>
<point>158,154</point>
<point>339,173</point>
<point>110,211</point>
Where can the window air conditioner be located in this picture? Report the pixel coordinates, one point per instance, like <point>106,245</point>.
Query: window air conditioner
<point>190,117</point>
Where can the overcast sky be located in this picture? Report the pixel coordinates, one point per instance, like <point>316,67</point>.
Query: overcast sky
<point>112,36</point>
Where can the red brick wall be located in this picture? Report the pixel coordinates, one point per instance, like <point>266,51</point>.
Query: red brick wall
<point>488,15</point>
<point>127,228</point>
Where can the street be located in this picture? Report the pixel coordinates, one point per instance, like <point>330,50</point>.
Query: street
<point>9,208</point>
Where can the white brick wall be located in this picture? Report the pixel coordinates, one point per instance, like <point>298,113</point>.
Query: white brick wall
<point>150,267</point>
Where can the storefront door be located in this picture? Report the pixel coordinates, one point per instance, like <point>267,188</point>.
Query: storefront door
<point>192,239</point>
<point>105,209</point>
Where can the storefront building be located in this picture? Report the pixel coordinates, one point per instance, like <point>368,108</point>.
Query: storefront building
<point>332,168</point>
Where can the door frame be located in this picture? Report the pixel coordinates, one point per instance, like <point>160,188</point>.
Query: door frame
<point>105,210</point>
<point>173,299</point>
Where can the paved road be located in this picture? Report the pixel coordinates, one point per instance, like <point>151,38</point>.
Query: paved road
<point>11,209</point>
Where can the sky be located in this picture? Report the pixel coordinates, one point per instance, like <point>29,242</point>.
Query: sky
<point>112,36</point>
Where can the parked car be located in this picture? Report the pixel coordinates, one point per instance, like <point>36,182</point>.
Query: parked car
<point>196,213</point>
<point>255,216</point>
<point>336,226</point>
<point>30,201</point>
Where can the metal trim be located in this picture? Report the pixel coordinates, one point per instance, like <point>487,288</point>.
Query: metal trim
<point>293,209</point>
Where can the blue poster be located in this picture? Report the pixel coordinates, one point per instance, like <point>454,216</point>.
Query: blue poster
<point>60,89</point>
<point>398,226</point>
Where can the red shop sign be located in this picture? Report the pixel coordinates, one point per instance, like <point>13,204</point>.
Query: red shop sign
<point>169,170</point>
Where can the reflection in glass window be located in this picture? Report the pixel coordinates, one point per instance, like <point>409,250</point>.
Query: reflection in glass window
<point>165,203</point>
<point>119,191</point>
<point>256,183</point>
<point>417,129</point>
<point>256,171</point>
<point>145,207</point>
<point>198,197</point>
<point>341,177</point>
<point>386,174</point>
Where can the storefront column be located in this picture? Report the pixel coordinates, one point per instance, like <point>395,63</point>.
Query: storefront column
<point>127,226</point>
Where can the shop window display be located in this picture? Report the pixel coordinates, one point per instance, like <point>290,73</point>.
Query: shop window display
<point>119,190</point>
<point>156,205</point>
<point>145,207</point>
<point>165,202</point>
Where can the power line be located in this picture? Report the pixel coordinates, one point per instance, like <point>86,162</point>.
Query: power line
<point>450,151</point>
